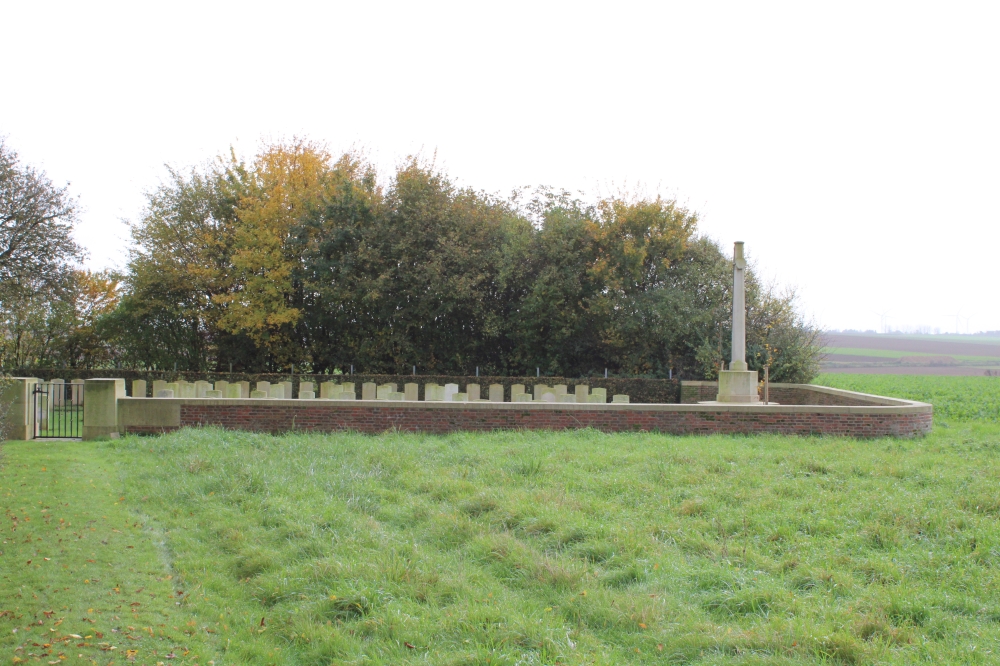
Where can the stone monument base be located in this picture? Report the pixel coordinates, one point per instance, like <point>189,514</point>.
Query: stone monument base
<point>738,386</point>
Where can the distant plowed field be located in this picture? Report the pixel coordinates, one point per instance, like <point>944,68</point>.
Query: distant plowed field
<point>911,354</point>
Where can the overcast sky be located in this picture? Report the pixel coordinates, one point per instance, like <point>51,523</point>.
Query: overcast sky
<point>855,147</point>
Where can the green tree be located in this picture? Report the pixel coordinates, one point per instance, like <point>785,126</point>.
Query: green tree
<point>294,258</point>
<point>36,222</point>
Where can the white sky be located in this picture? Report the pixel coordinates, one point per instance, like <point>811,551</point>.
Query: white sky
<point>854,146</point>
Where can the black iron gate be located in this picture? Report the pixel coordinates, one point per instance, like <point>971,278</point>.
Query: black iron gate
<point>58,410</point>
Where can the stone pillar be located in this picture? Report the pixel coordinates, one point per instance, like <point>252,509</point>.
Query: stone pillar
<point>15,409</point>
<point>738,384</point>
<point>100,412</point>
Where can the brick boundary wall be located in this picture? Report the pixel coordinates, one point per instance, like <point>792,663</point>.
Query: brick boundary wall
<point>898,418</point>
<point>693,392</point>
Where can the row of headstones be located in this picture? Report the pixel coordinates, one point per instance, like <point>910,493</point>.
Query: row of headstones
<point>224,389</point>
<point>58,393</point>
<point>372,391</point>
<point>540,393</point>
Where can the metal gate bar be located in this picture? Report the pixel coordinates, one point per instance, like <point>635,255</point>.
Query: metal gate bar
<point>58,410</point>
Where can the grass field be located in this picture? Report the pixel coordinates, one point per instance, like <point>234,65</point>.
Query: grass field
<point>963,398</point>
<point>889,354</point>
<point>215,547</point>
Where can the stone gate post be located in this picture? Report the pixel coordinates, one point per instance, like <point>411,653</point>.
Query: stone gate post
<point>100,408</point>
<point>18,422</point>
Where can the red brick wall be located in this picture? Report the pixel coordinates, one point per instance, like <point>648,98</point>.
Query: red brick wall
<point>787,394</point>
<point>695,392</point>
<point>260,416</point>
<point>791,395</point>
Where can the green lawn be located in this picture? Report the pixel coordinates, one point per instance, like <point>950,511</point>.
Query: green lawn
<point>965,398</point>
<point>62,422</point>
<point>509,548</point>
<point>81,571</point>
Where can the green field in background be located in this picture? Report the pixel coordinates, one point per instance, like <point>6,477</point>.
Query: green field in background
<point>889,354</point>
<point>963,398</point>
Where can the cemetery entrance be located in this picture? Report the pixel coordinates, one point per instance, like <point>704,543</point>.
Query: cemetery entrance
<point>58,410</point>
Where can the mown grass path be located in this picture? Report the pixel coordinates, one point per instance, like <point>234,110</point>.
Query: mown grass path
<point>513,548</point>
<point>83,577</point>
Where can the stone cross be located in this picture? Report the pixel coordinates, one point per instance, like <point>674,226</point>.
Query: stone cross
<point>739,361</point>
<point>737,384</point>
